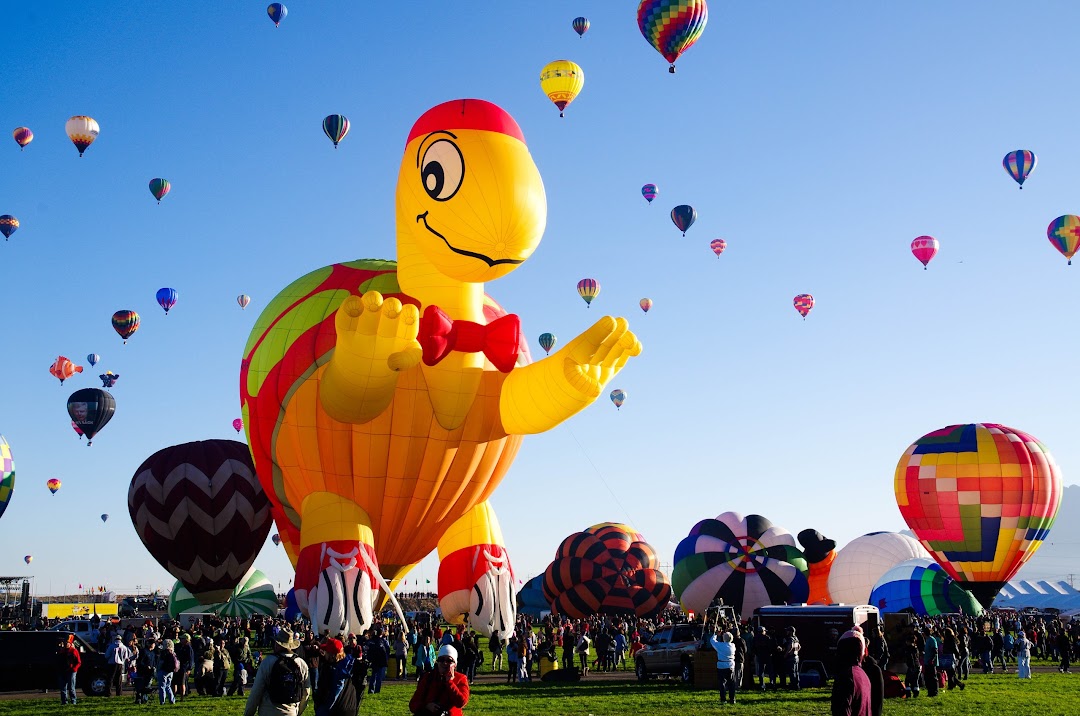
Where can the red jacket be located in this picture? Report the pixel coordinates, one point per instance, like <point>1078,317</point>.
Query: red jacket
<point>452,695</point>
<point>69,658</point>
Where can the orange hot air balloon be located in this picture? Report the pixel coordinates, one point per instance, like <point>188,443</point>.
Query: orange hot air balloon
<point>820,553</point>
<point>62,368</point>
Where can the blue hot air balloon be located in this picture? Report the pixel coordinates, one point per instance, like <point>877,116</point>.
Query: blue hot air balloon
<point>166,298</point>
<point>93,359</point>
<point>547,342</point>
<point>277,13</point>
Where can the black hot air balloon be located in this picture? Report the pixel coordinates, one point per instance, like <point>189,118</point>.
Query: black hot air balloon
<point>91,409</point>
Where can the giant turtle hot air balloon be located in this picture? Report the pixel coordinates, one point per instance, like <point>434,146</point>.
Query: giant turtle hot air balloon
<point>82,131</point>
<point>924,248</point>
<point>683,216</point>
<point>860,563</point>
<point>374,452</point>
<point>91,409</point>
<point>580,25</point>
<point>125,323</point>
<point>254,594</point>
<point>562,81</point>
<point>672,26</point>
<point>547,342</point>
<point>243,300</point>
<point>606,569</point>
<point>650,192</point>
<point>982,498</point>
<point>1064,235</point>
<point>8,225</point>
<point>53,484</point>
<point>201,513</point>
<point>920,586</point>
<point>23,136</point>
<point>804,302</point>
<point>62,369</point>
<point>159,188</point>
<point>1019,164</point>
<point>7,474</point>
<point>335,127</point>
<point>277,13</point>
<point>166,298</point>
<point>746,561</point>
<point>588,289</point>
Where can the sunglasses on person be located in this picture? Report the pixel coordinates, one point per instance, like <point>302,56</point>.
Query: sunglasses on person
<point>445,660</point>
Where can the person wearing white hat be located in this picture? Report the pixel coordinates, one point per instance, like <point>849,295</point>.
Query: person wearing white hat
<point>444,691</point>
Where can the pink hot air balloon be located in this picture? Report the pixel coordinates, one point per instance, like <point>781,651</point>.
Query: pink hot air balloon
<point>718,246</point>
<point>924,248</point>
<point>238,425</point>
<point>646,304</point>
<point>803,303</point>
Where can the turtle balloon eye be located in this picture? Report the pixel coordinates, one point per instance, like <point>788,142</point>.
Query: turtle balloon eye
<point>442,170</point>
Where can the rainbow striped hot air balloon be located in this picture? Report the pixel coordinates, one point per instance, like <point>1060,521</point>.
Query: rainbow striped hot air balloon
<point>581,25</point>
<point>53,484</point>
<point>982,498</point>
<point>803,303</point>
<point>650,192</point>
<point>588,289</point>
<point>1019,164</point>
<point>672,26</point>
<point>125,323</point>
<point>335,126</point>
<point>23,136</point>
<point>1064,235</point>
<point>924,248</point>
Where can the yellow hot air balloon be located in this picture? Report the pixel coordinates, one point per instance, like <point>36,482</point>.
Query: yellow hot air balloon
<point>82,131</point>
<point>561,81</point>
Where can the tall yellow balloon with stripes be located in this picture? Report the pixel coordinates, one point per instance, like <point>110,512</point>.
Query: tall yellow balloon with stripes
<point>562,81</point>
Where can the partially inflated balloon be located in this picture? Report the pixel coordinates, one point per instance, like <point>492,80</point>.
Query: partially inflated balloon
<point>277,13</point>
<point>861,562</point>
<point>561,81</point>
<point>547,342</point>
<point>159,188</point>
<point>609,571</point>
<point>804,302</point>
<point>166,298</point>
<point>581,25</point>
<point>243,300</point>
<point>683,216</point>
<point>93,359</point>
<point>920,586</point>
<point>8,225</point>
<point>23,136</point>
<point>82,131</point>
<point>646,304</point>
<point>588,289</point>
<point>91,409</point>
<point>672,26</point>
<point>53,484</point>
<point>1064,235</point>
<point>125,323</point>
<point>335,126</point>
<point>201,513</point>
<point>531,600</point>
<point>7,474</point>
<point>238,424</point>
<point>650,192</point>
<point>982,497</point>
<point>820,552</point>
<point>718,246</point>
<point>924,248</point>
<point>1019,164</point>
<point>618,396</point>
<point>62,369</point>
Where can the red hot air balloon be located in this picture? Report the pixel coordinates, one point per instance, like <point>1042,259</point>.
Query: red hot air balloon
<point>718,246</point>
<point>199,509</point>
<point>924,248</point>
<point>606,569</point>
<point>803,303</point>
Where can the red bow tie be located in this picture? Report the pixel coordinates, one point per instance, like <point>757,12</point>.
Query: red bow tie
<point>499,340</point>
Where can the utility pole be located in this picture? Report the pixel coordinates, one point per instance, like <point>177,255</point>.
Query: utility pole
<point>1069,578</point>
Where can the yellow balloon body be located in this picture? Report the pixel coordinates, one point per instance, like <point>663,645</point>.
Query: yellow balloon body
<point>562,81</point>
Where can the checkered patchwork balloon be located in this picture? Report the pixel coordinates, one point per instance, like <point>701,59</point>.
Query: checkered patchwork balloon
<point>7,474</point>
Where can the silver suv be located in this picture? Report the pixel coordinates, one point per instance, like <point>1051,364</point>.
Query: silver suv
<point>670,652</point>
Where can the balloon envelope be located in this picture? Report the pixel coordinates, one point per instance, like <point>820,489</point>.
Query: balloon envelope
<point>618,396</point>
<point>747,561</point>
<point>104,518</point>
<point>82,131</point>
<point>924,248</point>
<point>922,587</point>
<point>62,369</point>
<point>581,25</point>
<point>91,409</point>
<point>238,424</point>
<point>7,474</point>
<point>159,188</point>
<point>982,497</point>
<point>650,192</point>
<point>93,359</point>
<point>335,126</point>
<point>861,563</point>
<point>277,13</point>
<point>803,303</point>
<point>562,81</point>
<point>201,513</point>
<point>588,289</point>
<point>125,323</point>
<point>646,304</point>
<point>1019,164</point>
<point>166,298</point>
<point>23,136</point>
<point>683,216</point>
<point>531,599</point>
<point>253,595</point>
<point>1064,235</point>
<point>547,341</point>
<point>718,246</point>
<point>53,484</point>
<point>28,559</point>
<point>8,225</point>
<point>243,300</point>
<point>672,26</point>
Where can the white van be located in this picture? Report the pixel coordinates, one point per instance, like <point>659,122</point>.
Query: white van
<point>79,627</point>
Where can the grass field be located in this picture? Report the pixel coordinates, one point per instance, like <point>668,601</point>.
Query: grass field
<point>1048,694</point>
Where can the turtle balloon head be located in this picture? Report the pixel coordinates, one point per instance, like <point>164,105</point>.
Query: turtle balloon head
<point>470,198</point>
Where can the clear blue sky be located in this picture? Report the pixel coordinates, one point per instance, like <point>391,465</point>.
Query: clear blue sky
<point>817,139</point>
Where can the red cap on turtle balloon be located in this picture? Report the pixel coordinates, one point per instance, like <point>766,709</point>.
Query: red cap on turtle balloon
<point>466,114</point>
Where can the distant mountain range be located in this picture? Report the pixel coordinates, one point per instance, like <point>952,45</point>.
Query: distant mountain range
<point>1059,556</point>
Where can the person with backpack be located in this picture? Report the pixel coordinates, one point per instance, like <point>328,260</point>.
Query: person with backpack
<point>282,684</point>
<point>167,666</point>
<point>377,653</point>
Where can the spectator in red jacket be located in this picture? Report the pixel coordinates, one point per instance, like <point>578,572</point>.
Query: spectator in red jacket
<point>70,661</point>
<point>442,691</point>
